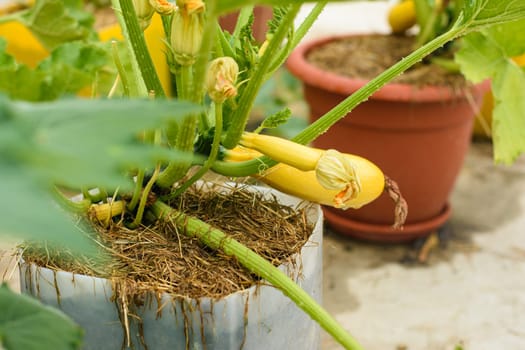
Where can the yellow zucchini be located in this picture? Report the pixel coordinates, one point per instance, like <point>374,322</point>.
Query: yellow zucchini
<point>402,16</point>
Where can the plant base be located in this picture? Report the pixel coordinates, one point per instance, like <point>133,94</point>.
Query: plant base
<point>384,233</point>
<point>258,317</point>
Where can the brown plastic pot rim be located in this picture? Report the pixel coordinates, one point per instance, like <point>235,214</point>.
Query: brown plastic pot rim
<point>316,77</point>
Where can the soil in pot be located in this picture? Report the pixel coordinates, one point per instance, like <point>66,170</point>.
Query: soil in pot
<point>416,129</point>
<point>367,56</point>
<point>161,261</point>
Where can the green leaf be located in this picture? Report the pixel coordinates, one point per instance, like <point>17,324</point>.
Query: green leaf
<point>71,67</point>
<point>56,21</point>
<point>509,37</point>
<point>87,142</point>
<point>484,13</point>
<point>487,55</point>
<point>480,57</point>
<point>276,119</point>
<point>26,324</point>
<point>509,113</point>
<point>76,143</point>
<point>29,213</point>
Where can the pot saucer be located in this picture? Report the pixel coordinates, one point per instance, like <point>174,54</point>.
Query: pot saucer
<point>385,233</point>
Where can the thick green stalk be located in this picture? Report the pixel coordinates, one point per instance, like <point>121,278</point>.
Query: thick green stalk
<point>211,158</point>
<point>185,133</point>
<point>216,239</point>
<point>135,36</point>
<point>241,114</point>
<point>184,142</point>
<point>208,38</point>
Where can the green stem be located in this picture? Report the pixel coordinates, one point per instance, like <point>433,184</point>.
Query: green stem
<point>77,207</point>
<point>446,63</point>
<point>138,189</point>
<point>144,198</point>
<point>299,34</point>
<point>211,158</point>
<point>103,194</point>
<point>241,114</point>
<point>186,82</point>
<point>184,142</point>
<point>321,125</point>
<point>216,239</point>
<point>122,73</point>
<point>208,38</point>
<point>136,38</point>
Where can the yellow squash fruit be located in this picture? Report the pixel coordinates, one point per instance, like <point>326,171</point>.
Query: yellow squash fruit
<point>402,16</point>
<point>306,184</point>
<point>22,44</point>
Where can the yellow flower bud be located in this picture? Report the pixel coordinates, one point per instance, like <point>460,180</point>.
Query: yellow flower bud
<point>162,7</point>
<point>186,36</point>
<point>221,77</point>
<point>144,12</point>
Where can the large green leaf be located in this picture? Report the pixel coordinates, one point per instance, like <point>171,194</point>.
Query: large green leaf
<point>86,142</point>
<point>29,213</point>
<point>480,57</point>
<point>71,67</point>
<point>56,21</point>
<point>26,324</point>
<point>75,143</point>
<point>509,113</point>
<point>483,13</point>
<point>487,55</point>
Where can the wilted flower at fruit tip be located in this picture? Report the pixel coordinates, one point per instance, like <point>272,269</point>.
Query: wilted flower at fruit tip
<point>163,7</point>
<point>186,36</point>
<point>221,77</point>
<point>334,171</point>
<point>144,12</point>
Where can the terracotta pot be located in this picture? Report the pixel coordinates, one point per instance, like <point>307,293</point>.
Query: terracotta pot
<point>262,14</point>
<point>417,136</point>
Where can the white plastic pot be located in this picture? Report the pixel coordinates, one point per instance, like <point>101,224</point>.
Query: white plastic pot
<point>260,317</point>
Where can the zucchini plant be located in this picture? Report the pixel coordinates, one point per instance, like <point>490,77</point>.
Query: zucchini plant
<point>135,142</point>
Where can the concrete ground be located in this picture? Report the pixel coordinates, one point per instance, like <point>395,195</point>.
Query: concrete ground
<point>469,290</point>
